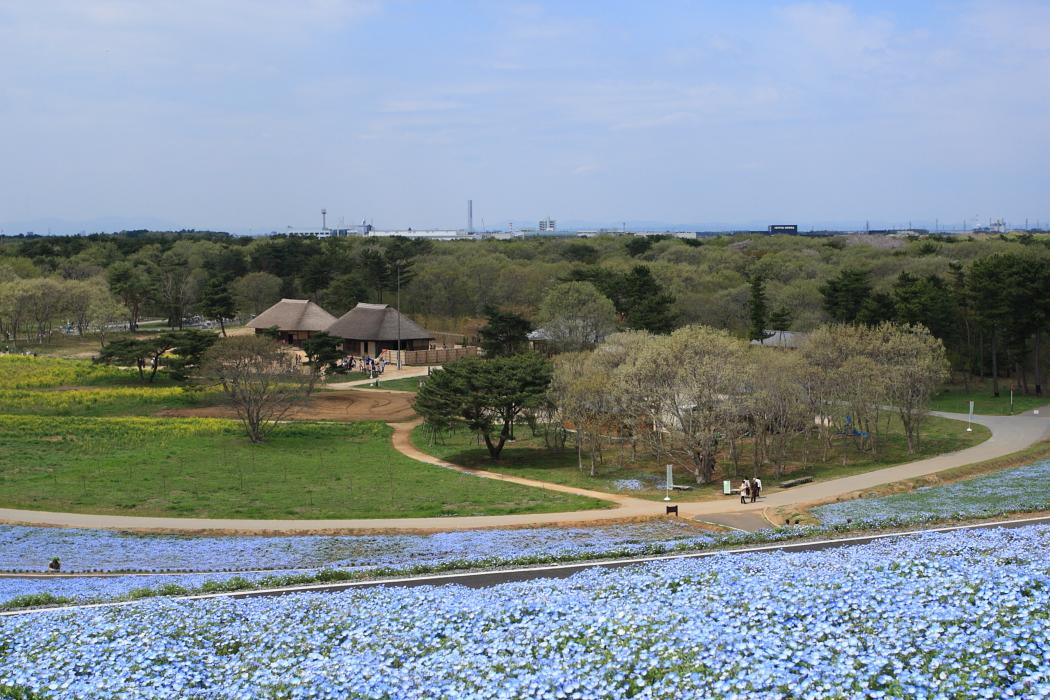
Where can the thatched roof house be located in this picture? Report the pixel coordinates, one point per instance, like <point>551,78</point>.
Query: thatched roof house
<point>296,319</point>
<point>369,329</point>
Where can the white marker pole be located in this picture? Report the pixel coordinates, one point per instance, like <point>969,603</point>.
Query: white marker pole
<point>970,419</point>
<point>670,483</point>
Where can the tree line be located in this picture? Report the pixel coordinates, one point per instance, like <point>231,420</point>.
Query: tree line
<point>694,396</point>
<point>984,296</point>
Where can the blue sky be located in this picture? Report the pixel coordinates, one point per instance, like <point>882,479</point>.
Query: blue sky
<point>249,115</point>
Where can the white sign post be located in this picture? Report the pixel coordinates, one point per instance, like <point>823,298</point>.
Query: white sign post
<point>670,483</point>
<point>969,420</point>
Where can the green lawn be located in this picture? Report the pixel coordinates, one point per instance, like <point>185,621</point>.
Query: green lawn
<point>195,467</point>
<point>955,399</point>
<point>527,457</point>
<point>402,384</point>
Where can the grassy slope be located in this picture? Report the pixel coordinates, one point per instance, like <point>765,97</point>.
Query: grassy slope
<point>206,468</point>
<point>528,458</point>
<point>955,399</point>
<point>402,384</point>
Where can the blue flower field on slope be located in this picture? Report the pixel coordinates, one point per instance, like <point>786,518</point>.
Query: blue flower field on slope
<point>91,589</point>
<point>1012,491</point>
<point>961,614</point>
<point>31,548</point>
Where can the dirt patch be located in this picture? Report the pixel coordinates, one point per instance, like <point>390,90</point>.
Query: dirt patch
<point>348,405</point>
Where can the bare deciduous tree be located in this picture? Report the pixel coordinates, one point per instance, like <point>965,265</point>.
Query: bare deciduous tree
<point>915,363</point>
<point>694,374</point>
<point>262,379</point>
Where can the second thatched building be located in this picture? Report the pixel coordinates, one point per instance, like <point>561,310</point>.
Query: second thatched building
<point>369,329</point>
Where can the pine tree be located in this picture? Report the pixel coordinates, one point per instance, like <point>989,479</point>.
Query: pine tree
<point>758,309</point>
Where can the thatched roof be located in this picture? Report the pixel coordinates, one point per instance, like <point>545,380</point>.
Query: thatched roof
<point>294,315</point>
<point>376,322</point>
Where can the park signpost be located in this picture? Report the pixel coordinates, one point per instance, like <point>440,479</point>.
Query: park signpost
<point>969,420</point>
<point>670,483</point>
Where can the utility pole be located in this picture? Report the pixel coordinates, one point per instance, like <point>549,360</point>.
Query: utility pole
<point>399,315</point>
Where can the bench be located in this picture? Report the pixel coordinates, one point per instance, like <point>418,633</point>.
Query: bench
<point>681,487</point>
<point>795,482</point>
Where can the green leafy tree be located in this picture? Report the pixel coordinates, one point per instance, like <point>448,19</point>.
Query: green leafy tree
<point>845,294</point>
<point>131,284</point>
<point>640,301</point>
<point>576,316</point>
<point>323,351</point>
<point>374,270</point>
<point>878,307</point>
<point>505,333</point>
<point>645,306</point>
<point>926,301</point>
<point>485,395</point>
<point>256,291</point>
<point>179,351</point>
<point>217,302</point>
<point>638,245</point>
<point>780,319</point>
<point>343,293</point>
<point>758,309</point>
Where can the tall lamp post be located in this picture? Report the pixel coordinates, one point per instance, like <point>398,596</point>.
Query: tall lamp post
<point>399,315</point>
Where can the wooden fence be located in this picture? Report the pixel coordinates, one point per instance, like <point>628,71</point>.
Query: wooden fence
<point>439,356</point>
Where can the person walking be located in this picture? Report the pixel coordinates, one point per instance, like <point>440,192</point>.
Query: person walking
<point>758,489</point>
<point>745,491</point>
<point>753,488</point>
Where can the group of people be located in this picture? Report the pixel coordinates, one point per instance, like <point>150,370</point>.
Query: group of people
<point>750,489</point>
<point>374,366</point>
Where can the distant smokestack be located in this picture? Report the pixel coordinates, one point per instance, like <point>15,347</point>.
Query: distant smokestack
<point>470,216</point>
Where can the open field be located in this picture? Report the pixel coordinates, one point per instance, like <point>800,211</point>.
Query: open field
<point>956,399</point>
<point>527,457</point>
<point>206,468</point>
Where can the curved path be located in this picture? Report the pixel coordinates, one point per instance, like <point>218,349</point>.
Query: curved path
<point>1009,434</point>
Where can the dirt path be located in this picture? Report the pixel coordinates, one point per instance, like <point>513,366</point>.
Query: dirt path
<point>345,405</point>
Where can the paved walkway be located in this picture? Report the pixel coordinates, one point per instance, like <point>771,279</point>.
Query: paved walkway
<point>389,374</point>
<point>1009,434</point>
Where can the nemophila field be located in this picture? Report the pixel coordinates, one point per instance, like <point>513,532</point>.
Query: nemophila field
<point>81,550</point>
<point>206,468</point>
<point>963,614</point>
<point>1012,491</point>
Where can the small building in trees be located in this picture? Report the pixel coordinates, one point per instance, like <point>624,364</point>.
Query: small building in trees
<point>369,329</point>
<point>791,340</point>
<point>295,320</point>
